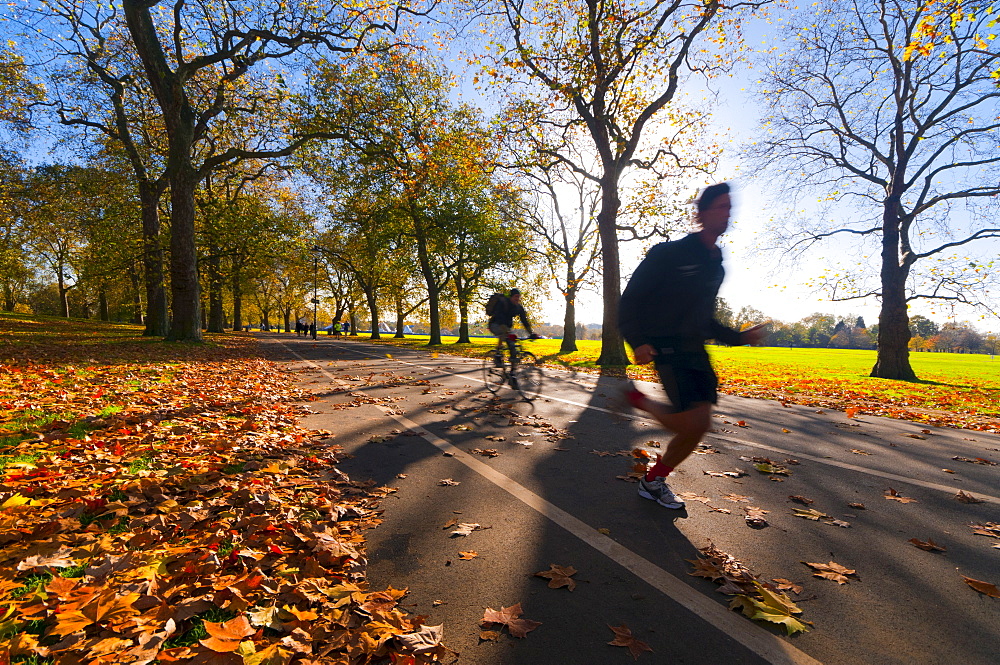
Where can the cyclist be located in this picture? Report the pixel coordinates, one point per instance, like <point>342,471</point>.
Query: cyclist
<point>503,310</point>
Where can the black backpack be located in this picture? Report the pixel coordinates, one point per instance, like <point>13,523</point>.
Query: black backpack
<point>494,303</point>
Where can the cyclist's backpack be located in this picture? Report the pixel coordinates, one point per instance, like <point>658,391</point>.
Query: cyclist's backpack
<point>494,303</point>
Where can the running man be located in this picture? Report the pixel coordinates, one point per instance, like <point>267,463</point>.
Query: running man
<point>667,312</point>
<point>502,320</point>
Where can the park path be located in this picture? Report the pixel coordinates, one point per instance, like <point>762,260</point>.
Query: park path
<point>559,501</point>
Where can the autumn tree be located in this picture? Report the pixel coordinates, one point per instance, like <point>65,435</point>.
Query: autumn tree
<point>198,58</point>
<point>400,133</point>
<point>363,238</point>
<point>569,246</point>
<point>84,54</point>
<point>15,271</point>
<point>899,137</point>
<point>19,92</point>
<point>613,73</point>
<point>53,226</point>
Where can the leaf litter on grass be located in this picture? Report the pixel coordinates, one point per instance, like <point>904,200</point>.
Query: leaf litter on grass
<point>165,505</point>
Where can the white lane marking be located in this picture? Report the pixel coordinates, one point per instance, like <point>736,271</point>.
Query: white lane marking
<point>814,458</point>
<point>770,647</point>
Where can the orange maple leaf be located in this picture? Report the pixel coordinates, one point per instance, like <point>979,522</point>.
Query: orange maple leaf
<point>624,638</point>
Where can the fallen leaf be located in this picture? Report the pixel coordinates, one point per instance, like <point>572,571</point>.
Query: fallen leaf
<point>465,528</point>
<point>426,640</point>
<point>831,571</point>
<point>624,638</point>
<point>893,495</point>
<point>559,576</point>
<point>809,513</point>
<point>965,497</point>
<point>984,588</point>
<point>725,474</point>
<point>929,546</point>
<point>788,585</point>
<point>991,529</point>
<point>692,496</point>
<point>226,636</point>
<point>466,556</point>
<point>800,499</point>
<point>859,452</point>
<point>841,523</point>
<point>857,506</point>
<point>773,469</point>
<point>510,617</point>
<point>755,517</point>
<point>771,606</point>
<point>736,498</point>
<point>448,482</point>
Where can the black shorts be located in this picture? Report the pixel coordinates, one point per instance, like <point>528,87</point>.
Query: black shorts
<point>688,379</point>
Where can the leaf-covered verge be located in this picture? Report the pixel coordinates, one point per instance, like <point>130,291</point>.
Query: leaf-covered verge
<point>958,390</point>
<point>160,503</point>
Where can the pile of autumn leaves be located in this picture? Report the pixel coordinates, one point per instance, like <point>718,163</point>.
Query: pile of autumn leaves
<point>174,512</point>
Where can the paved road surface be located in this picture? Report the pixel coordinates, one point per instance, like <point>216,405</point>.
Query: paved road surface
<point>555,501</point>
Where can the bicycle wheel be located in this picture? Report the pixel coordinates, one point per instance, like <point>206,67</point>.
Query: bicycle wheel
<point>527,358</point>
<point>527,380</point>
<point>494,376</point>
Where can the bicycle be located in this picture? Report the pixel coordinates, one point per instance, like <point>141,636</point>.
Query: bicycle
<point>522,374</point>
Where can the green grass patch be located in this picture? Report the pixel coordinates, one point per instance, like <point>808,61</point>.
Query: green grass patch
<point>141,463</point>
<point>21,458</point>
<point>954,389</point>
<point>196,627</point>
<point>32,583</point>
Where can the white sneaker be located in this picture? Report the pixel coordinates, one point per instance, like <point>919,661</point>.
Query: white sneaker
<point>657,490</point>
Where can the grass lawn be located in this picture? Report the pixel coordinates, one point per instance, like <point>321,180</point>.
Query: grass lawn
<point>956,390</point>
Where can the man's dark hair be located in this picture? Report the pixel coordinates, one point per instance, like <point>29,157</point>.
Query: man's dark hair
<point>710,193</point>
<point>513,292</point>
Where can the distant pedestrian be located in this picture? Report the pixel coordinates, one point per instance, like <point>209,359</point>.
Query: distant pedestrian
<point>667,313</point>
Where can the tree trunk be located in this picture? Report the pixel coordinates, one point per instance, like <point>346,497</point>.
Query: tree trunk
<point>400,317</point>
<point>137,316</point>
<point>179,120</point>
<point>463,321</point>
<point>102,304</point>
<point>433,292</point>
<point>893,360</point>
<point>157,316</point>
<point>63,294</point>
<point>569,323</point>
<point>8,298</point>
<point>288,319</point>
<point>353,317</point>
<point>373,312</point>
<point>237,297</point>
<point>216,314</point>
<point>612,344</point>
<point>184,284</point>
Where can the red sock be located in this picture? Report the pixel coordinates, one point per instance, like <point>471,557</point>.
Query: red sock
<point>658,470</point>
<point>636,399</point>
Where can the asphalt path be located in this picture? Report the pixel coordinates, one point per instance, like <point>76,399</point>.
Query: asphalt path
<point>559,501</point>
